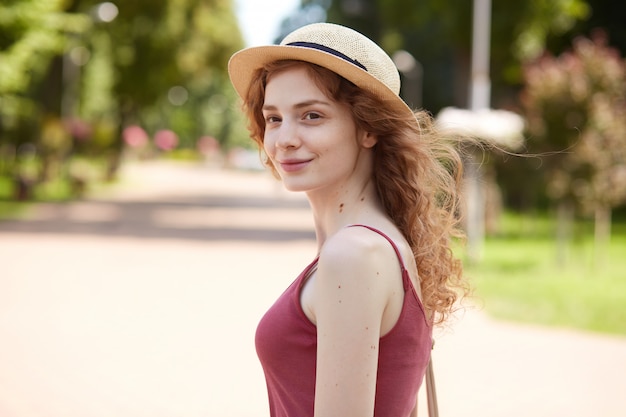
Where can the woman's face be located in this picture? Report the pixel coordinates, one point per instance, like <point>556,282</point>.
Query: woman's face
<point>311,139</point>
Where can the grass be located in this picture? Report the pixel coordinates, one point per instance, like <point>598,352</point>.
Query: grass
<point>8,207</point>
<point>520,279</point>
<point>58,189</point>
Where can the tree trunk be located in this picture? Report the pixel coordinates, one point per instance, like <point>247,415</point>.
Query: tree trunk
<point>565,215</point>
<point>602,235</point>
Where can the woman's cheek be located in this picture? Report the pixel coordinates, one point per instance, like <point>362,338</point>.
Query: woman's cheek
<point>268,147</point>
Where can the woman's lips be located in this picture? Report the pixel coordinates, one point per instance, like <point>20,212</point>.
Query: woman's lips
<point>293,165</point>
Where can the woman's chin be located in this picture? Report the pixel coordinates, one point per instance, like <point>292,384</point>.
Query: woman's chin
<point>293,186</point>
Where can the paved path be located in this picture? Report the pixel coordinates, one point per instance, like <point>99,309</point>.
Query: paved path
<point>144,300</point>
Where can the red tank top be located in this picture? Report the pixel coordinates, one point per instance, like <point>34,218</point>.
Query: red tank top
<point>286,343</point>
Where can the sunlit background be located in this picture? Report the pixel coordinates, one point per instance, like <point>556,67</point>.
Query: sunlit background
<point>260,21</point>
<point>141,240</point>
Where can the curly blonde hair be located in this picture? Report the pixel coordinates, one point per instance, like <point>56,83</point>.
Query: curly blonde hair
<point>417,172</point>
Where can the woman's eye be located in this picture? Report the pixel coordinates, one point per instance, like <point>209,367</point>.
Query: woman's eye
<point>272,119</point>
<point>312,116</point>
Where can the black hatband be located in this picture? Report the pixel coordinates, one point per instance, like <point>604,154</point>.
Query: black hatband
<point>328,50</point>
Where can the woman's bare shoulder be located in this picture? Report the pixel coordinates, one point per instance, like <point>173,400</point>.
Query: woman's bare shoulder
<point>358,250</point>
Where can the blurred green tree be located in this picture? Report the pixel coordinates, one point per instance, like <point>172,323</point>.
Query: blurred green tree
<point>75,73</point>
<point>32,33</point>
<point>167,62</point>
<point>576,110</point>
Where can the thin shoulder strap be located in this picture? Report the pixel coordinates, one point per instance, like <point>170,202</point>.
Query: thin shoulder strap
<point>393,244</point>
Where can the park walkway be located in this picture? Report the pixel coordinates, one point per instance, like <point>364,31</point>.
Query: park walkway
<point>142,300</point>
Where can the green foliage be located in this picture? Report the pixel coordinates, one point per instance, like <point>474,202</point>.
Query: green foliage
<point>31,33</point>
<point>519,278</point>
<point>543,19</point>
<point>576,105</point>
<point>71,78</point>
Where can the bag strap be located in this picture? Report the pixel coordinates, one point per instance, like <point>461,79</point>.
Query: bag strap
<point>431,392</point>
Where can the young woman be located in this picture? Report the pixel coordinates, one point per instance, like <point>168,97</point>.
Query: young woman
<point>352,335</point>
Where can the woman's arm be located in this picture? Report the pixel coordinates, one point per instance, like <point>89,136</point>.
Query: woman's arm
<point>350,294</point>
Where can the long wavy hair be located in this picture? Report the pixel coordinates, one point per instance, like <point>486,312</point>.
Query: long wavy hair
<point>417,172</point>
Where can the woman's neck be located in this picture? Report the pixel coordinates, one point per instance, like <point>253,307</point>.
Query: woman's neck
<point>333,210</point>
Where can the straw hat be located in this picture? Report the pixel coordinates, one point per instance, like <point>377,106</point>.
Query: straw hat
<point>337,48</point>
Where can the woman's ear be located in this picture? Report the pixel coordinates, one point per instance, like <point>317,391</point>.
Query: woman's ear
<point>368,140</point>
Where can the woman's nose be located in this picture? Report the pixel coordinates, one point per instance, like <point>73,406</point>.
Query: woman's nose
<point>288,135</point>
